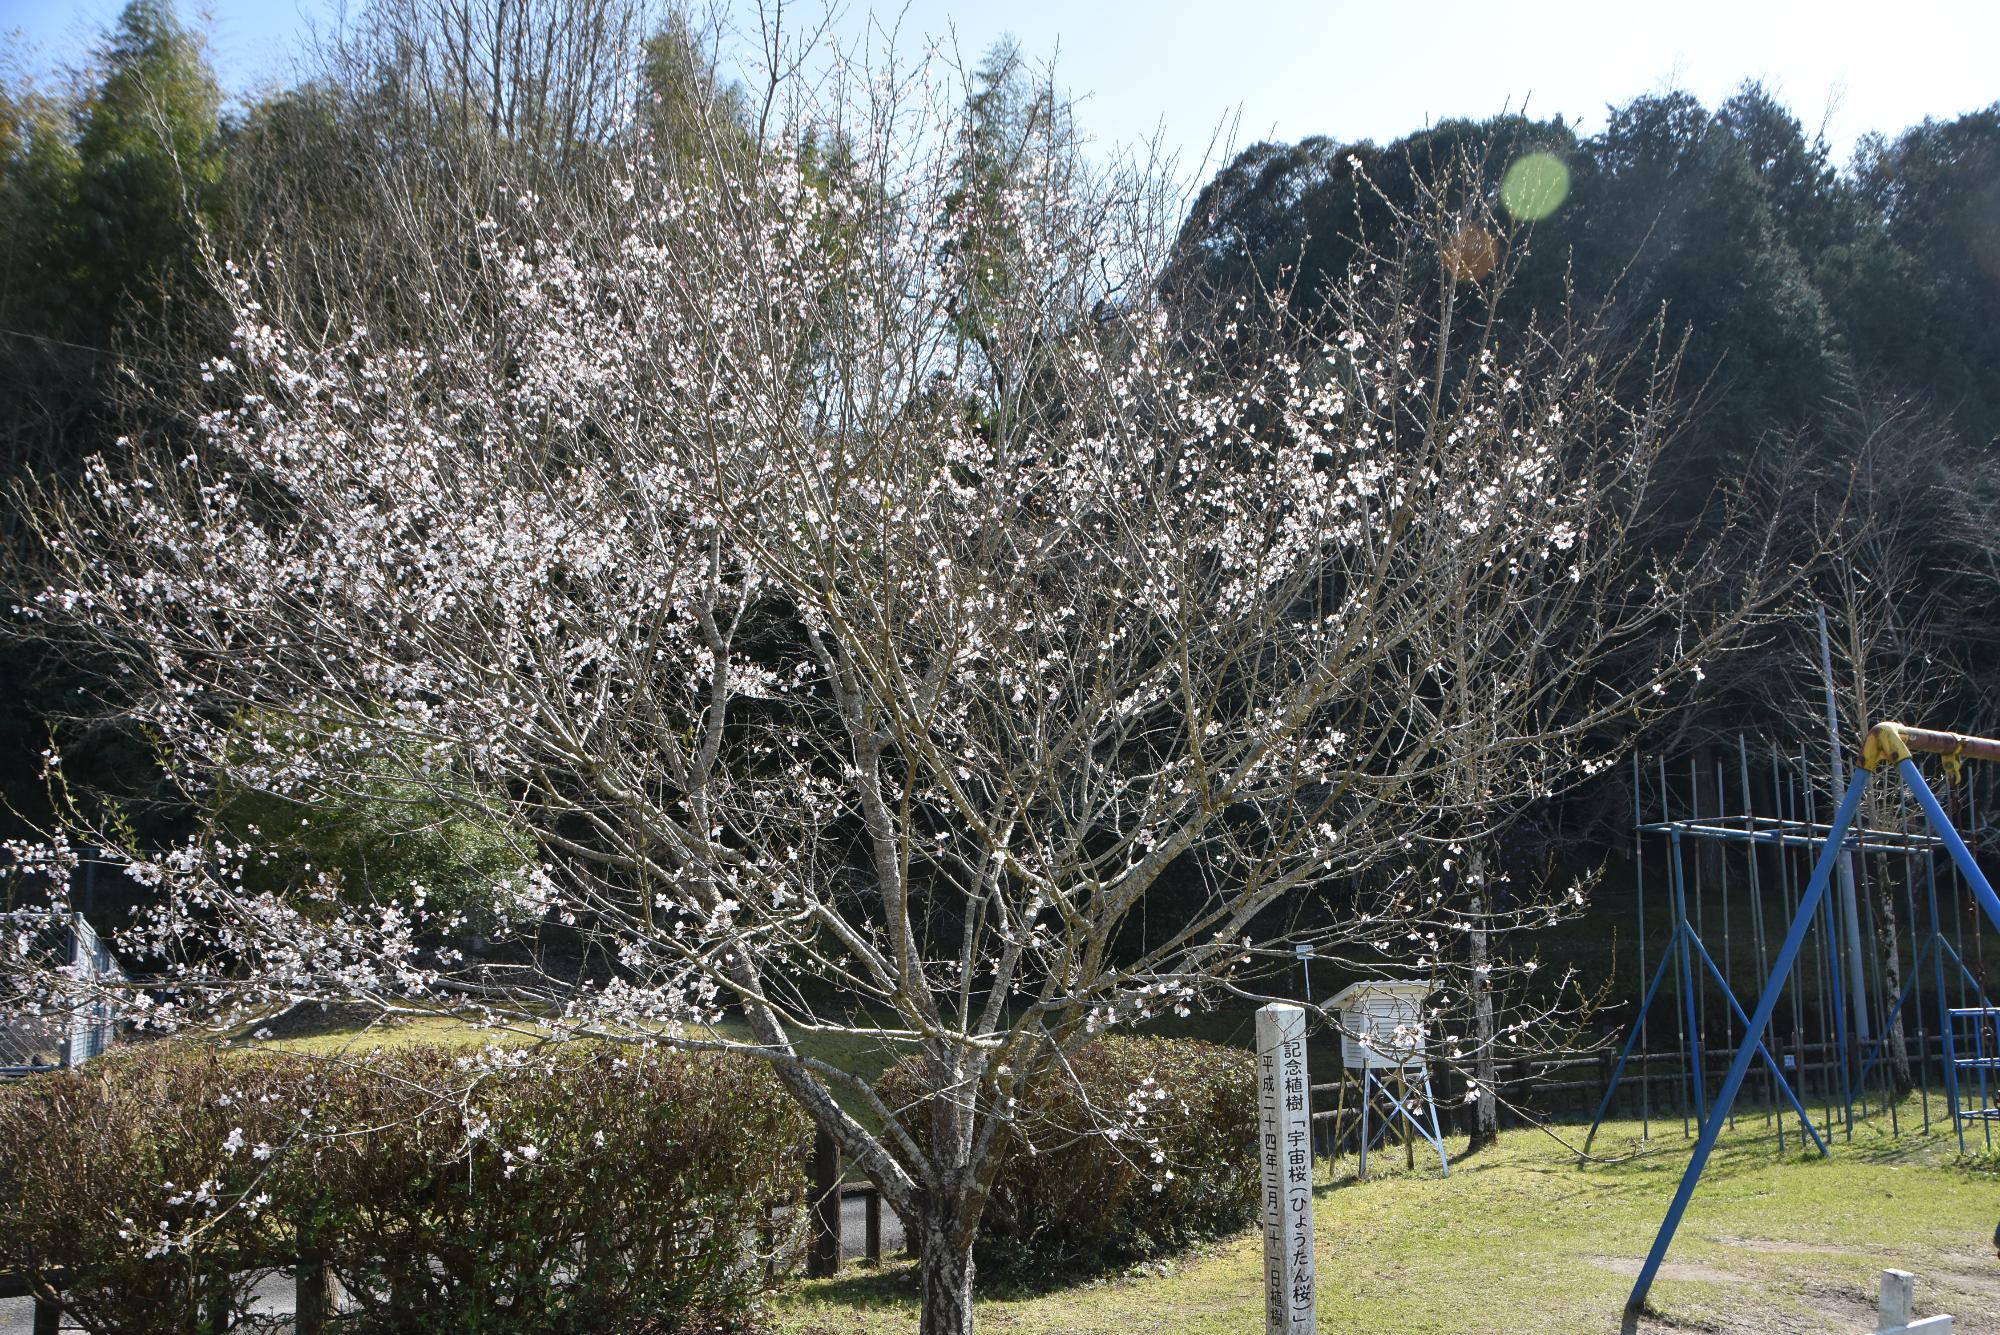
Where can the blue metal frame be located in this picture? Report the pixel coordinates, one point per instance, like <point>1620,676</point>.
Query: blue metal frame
<point>1934,951</point>
<point>1788,954</point>
<point>1683,943</point>
<point>1777,1073</point>
<point>1983,1062</point>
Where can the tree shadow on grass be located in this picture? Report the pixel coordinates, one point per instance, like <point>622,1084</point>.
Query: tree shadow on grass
<point>892,1285</point>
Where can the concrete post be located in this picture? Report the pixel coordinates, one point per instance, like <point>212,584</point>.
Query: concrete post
<point>1896,1303</point>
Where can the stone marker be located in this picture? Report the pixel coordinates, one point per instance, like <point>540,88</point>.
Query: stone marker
<point>1284,1145</point>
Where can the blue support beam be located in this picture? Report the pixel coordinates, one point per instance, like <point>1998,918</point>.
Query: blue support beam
<point>1960,854</point>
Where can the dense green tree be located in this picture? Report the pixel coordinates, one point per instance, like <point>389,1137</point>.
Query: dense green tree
<point>1921,301</point>
<point>1812,207</point>
<point>148,158</point>
<point>108,188</point>
<point>1677,218</point>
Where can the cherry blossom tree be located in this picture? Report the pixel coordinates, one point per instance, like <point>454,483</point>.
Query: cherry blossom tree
<point>847,664</point>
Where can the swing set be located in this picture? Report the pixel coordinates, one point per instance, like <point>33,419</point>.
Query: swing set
<point>1969,1038</point>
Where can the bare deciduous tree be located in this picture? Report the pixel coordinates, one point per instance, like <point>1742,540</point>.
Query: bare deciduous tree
<point>849,667</point>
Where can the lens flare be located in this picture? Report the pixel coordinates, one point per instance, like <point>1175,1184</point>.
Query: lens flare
<point>1535,186</point>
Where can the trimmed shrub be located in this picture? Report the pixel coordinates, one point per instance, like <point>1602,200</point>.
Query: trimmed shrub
<point>584,1189</point>
<point>579,1188</point>
<point>1149,1149</point>
<point>124,1177</point>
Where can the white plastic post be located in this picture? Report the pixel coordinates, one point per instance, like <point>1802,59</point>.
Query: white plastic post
<point>1284,1116</point>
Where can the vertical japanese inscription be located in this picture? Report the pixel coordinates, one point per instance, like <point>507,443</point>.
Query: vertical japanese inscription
<point>1284,1142</point>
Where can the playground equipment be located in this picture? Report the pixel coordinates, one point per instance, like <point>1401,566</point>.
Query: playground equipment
<point>1382,1037</point>
<point>1737,837</point>
<point>1688,959</point>
<point>1896,745</point>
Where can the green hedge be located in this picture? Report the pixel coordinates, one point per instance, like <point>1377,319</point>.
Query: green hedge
<point>586,1188</point>
<point>1067,1199</point>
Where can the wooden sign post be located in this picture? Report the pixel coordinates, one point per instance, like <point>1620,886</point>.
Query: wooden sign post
<point>1284,1117</point>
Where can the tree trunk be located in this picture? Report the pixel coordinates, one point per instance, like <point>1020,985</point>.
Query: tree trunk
<point>944,1270</point>
<point>948,1208</point>
<point>1485,1127</point>
<point>1892,986</point>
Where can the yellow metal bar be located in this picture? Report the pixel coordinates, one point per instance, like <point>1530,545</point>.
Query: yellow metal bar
<point>1896,742</point>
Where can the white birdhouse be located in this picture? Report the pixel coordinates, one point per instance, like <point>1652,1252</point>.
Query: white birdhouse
<point>1382,1024</point>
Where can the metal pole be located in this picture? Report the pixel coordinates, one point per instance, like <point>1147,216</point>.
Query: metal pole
<point>1770,1061</point>
<point>1932,942</point>
<point>1946,1030</point>
<point>1687,976</point>
<point>1880,986</point>
<point>1979,945</point>
<point>1975,879</point>
<point>1757,918</point>
<point>1674,916</point>
<point>1639,871</point>
<point>1978,927</point>
<point>1617,1072</point>
<point>1740,1065</point>
<point>1728,957</point>
<point>1825,968</point>
<point>1780,793</point>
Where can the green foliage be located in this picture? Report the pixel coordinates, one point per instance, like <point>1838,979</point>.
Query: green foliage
<point>1679,219</point>
<point>693,116</point>
<point>393,840</point>
<point>1009,114</point>
<point>148,160</point>
<point>1524,1238</point>
<point>1067,1198</point>
<point>107,186</point>
<point>1922,297</point>
<point>606,1188</point>
<point>389,843</point>
<point>112,187</point>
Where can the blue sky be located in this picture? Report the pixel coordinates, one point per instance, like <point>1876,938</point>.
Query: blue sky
<point>1350,70</point>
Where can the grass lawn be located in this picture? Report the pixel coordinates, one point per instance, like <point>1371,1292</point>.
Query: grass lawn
<point>1522,1239</point>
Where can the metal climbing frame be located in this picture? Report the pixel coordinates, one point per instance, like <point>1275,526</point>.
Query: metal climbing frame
<point>1887,742</point>
<point>1688,959</point>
